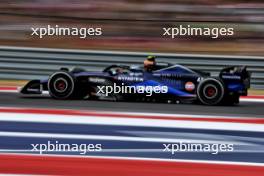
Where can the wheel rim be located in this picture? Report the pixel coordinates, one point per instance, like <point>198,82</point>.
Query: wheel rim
<point>210,91</point>
<point>211,97</point>
<point>60,85</point>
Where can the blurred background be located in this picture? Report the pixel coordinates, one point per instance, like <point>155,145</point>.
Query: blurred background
<point>136,25</point>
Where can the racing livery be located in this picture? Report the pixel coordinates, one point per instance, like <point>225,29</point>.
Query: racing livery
<point>183,84</point>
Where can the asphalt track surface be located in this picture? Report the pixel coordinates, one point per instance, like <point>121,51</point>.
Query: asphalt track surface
<point>244,109</point>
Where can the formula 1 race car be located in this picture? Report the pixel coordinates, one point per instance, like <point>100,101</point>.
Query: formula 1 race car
<point>167,82</point>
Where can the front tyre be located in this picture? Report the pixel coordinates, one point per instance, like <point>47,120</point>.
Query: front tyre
<point>211,91</point>
<point>61,85</point>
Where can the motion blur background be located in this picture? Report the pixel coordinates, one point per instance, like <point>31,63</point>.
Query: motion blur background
<point>128,25</point>
<point>136,25</point>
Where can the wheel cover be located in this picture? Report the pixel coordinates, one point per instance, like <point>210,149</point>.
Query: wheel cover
<point>61,85</point>
<point>210,91</point>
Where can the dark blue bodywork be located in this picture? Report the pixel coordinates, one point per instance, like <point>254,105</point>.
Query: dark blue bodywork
<point>181,81</point>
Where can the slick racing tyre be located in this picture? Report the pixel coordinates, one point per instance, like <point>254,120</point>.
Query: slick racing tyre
<point>61,85</point>
<point>211,91</point>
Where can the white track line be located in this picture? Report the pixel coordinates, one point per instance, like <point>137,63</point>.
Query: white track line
<point>111,138</point>
<point>123,121</point>
<point>255,100</point>
<point>8,91</point>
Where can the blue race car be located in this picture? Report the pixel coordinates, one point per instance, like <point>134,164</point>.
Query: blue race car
<point>166,82</point>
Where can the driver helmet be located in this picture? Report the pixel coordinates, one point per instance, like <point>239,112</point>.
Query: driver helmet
<point>149,63</point>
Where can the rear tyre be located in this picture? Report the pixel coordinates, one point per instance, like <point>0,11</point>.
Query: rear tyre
<point>61,85</point>
<point>211,91</point>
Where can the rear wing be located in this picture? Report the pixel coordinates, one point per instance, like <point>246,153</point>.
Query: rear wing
<point>236,73</point>
<point>236,70</point>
